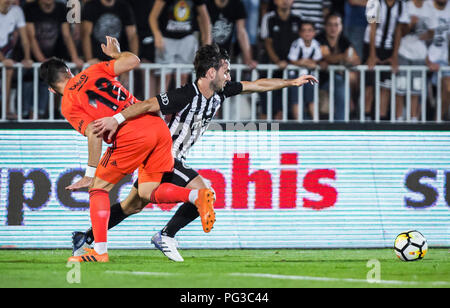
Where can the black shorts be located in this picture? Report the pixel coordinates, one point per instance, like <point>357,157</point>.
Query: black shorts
<point>277,96</point>
<point>147,49</point>
<point>382,54</point>
<point>182,175</point>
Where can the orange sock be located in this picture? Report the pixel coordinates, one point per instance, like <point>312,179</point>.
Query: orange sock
<point>170,193</point>
<point>99,210</point>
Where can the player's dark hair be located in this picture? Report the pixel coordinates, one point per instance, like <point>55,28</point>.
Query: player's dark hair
<point>331,15</point>
<point>307,22</point>
<point>53,71</point>
<point>209,56</point>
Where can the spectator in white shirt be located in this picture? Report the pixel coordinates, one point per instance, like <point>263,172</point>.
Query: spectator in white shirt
<point>438,52</point>
<point>305,52</point>
<point>12,25</point>
<point>381,44</point>
<point>413,51</point>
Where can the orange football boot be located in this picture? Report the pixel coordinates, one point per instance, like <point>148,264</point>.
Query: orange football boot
<point>90,256</point>
<point>205,206</point>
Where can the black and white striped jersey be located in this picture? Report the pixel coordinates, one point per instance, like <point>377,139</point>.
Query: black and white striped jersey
<point>188,113</point>
<point>389,18</point>
<point>311,10</point>
<point>299,50</point>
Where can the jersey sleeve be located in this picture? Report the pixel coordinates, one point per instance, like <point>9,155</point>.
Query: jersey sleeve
<point>78,119</point>
<point>294,51</point>
<point>128,15</point>
<point>88,12</point>
<point>20,18</point>
<point>318,53</point>
<point>232,89</point>
<point>345,43</point>
<point>264,32</point>
<point>199,2</point>
<point>107,67</point>
<point>80,122</point>
<point>176,100</point>
<point>241,13</point>
<point>62,13</point>
<point>432,22</point>
<point>404,18</point>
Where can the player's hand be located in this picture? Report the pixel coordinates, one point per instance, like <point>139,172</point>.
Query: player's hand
<point>159,43</point>
<point>434,67</point>
<point>372,61</point>
<point>310,64</point>
<point>414,22</point>
<point>351,62</point>
<point>251,64</point>
<point>302,80</point>
<point>112,47</point>
<point>282,64</point>
<point>93,61</point>
<point>85,182</point>
<point>105,125</point>
<point>27,63</point>
<point>8,63</point>
<point>393,61</point>
<point>78,62</point>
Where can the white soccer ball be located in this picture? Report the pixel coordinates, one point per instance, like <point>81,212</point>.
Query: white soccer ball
<point>410,246</point>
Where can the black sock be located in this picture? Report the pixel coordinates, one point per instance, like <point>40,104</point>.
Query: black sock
<point>116,217</point>
<point>185,214</point>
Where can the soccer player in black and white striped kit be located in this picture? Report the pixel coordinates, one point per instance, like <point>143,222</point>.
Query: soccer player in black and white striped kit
<point>188,111</point>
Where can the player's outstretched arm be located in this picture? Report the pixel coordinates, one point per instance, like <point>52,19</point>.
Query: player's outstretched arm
<point>272,84</point>
<point>110,124</point>
<point>125,61</point>
<point>95,151</point>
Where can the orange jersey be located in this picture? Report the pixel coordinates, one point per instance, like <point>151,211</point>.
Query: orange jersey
<point>93,94</point>
<point>144,142</point>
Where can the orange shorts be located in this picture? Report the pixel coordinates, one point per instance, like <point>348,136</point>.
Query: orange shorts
<point>145,143</point>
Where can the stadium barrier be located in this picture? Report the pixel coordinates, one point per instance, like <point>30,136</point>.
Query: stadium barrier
<point>233,112</point>
<point>278,186</point>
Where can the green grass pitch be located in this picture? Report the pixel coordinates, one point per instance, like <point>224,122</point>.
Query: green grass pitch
<point>283,268</point>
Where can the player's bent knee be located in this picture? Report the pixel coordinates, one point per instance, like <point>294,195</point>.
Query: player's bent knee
<point>136,207</point>
<point>144,195</point>
<point>133,204</point>
<point>199,183</point>
<point>145,191</point>
<point>101,184</point>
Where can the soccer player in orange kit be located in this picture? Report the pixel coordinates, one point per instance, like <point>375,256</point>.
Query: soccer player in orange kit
<point>188,110</point>
<point>93,94</point>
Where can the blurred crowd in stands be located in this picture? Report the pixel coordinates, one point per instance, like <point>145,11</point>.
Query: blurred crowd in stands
<point>311,34</point>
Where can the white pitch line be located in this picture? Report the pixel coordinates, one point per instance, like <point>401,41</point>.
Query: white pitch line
<point>141,273</point>
<point>290,277</point>
<point>310,278</point>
